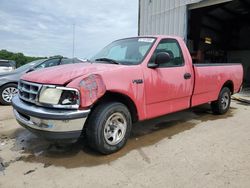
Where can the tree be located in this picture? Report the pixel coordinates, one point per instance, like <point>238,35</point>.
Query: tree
<point>19,58</point>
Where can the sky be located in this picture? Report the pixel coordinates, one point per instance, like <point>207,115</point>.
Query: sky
<point>45,27</point>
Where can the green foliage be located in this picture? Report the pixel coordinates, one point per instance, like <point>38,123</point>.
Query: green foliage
<point>19,58</point>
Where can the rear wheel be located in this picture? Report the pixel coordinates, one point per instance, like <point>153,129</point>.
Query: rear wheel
<point>109,127</point>
<point>222,105</point>
<point>7,92</point>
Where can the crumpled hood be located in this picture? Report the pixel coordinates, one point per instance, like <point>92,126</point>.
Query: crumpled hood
<point>63,74</point>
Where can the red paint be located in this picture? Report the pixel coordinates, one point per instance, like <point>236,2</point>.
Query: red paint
<point>164,90</point>
<point>91,88</point>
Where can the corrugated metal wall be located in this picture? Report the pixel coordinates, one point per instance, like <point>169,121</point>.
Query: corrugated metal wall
<point>168,17</point>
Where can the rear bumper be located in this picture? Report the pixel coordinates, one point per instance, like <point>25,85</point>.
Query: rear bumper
<point>52,124</point>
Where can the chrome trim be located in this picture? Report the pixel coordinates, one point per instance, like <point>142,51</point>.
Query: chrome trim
<point>76,106</point>
<point>47,113</point>
<point>51,125</point>
<point>29,92</point>
<point>22,119</point>
<point>41,87</point>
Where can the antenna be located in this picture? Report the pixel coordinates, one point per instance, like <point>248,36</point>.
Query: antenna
<point>73,41</point>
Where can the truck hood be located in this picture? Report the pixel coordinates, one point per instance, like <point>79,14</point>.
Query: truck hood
<point>63,74</point>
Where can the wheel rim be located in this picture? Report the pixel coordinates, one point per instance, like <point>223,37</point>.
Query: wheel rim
<point>8,93</point>
<point>115,128</point>
<point>225,100</point>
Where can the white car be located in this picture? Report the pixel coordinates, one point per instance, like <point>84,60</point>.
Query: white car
<point>7,66</point>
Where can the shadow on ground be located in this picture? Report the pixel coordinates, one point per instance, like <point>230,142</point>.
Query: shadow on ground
<point>146,133</point>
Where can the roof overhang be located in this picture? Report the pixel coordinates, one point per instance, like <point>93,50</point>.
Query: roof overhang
<point>206,3</point>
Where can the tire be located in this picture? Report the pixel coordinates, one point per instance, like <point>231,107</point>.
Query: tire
<point>7,92</point>
<point>101,134</point>
<point>222,104</point>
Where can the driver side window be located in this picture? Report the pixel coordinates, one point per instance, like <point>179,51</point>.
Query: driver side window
<point>172,47</point>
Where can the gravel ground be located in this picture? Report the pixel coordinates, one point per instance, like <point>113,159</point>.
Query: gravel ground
<point>193,148</point>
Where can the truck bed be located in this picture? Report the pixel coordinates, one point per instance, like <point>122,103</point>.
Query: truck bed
<point>209,79</point>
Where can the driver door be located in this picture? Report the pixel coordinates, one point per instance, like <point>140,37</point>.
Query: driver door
<point>167,89</point>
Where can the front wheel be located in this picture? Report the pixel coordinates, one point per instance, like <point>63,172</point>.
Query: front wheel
<point>222,104</point>
<point>7,92</point>
<point>108,127</point>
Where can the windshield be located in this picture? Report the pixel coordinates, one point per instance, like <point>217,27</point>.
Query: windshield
<point>29,65</point>
<point>126,51</point>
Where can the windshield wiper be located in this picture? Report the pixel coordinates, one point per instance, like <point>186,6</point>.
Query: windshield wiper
<point>108,60</point>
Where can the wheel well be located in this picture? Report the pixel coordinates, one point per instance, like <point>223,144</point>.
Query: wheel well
<point>118,97</point>
<point>8,83</point>
<point>229,84</point>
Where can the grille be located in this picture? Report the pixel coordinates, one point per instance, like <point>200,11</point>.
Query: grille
<point>28,91</point>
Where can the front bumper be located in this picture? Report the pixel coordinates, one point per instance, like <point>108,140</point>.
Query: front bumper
<point>52,124</point>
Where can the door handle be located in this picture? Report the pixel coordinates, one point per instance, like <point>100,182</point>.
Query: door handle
<point>187,76</point>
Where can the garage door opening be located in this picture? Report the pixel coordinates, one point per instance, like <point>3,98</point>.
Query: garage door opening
<point>221,34</point>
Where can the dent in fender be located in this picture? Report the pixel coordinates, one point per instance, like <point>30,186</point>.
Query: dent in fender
<point>91,88</point>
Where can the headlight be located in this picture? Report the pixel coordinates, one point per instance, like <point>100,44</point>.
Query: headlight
<point>59,97</point>
<point>50,95</point>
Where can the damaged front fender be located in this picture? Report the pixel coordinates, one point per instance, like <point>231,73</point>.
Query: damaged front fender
<point>91,89</point>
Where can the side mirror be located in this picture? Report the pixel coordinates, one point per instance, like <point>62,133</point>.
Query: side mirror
<point>162,57</point>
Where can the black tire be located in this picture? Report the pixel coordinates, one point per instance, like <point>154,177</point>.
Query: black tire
<point>221,106</point>
<point>2,89</point>
<point>97,125</point>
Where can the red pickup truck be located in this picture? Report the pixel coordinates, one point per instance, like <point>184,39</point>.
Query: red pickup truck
<point>130,80</point>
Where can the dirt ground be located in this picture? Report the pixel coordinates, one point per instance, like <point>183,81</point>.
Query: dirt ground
<point>193,148</point>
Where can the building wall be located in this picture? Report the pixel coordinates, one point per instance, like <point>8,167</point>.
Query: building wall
<point>241,56</point>
<point>168,17</point>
